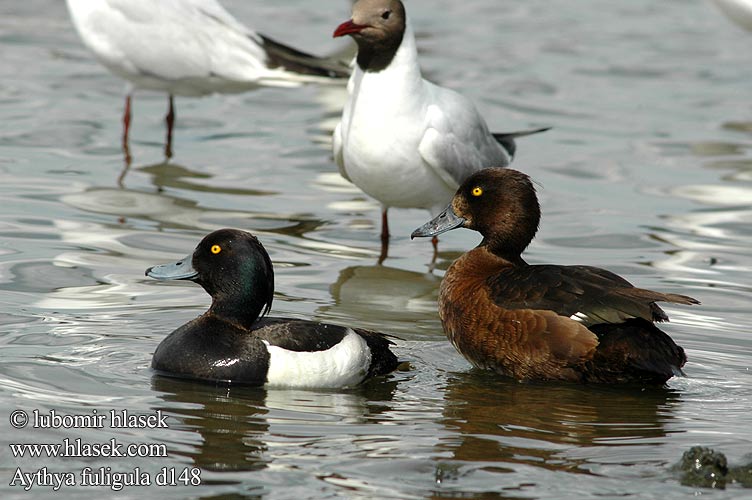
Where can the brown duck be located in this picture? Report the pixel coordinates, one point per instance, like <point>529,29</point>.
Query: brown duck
<point>543,322</point>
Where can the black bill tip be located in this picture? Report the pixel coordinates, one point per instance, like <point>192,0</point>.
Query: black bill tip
<point>445,221</point>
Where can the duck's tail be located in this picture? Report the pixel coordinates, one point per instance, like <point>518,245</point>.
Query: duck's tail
<point>635,351</point>
<point>383,360</point>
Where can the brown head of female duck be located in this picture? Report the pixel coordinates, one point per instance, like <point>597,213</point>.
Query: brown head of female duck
<point>543,322</point>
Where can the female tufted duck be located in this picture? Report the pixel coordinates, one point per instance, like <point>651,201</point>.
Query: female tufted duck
<point>543,322</point>
<point>233,343</point>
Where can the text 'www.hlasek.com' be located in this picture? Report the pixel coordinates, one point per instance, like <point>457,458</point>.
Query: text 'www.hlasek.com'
<point>29,475</point>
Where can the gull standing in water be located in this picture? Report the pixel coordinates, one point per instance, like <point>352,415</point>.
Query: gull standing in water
<point>189,48</point>
<point>403,140</point>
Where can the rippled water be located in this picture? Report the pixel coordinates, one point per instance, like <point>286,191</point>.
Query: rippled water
<point>648,172</point>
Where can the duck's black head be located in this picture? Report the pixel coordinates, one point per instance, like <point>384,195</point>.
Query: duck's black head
<point>499,203</point>
<point>234,268</point>
<point>377,26</point>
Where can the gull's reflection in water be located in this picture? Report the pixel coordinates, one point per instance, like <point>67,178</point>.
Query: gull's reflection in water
<point>502,423</point>
<point>167,211</point>
<point>172,211</point>
<point>172,175</point>
<point>366,295</point>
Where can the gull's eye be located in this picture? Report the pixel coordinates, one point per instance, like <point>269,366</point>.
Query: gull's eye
<point>477,191</point>
<point>386,14</point>
<point>215,249</point>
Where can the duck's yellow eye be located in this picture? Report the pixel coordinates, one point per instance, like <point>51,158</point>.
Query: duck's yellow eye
<point>477,191</point>
<point>215,249</point>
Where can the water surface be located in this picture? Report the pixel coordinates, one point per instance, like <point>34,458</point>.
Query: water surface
<point>647,172</point>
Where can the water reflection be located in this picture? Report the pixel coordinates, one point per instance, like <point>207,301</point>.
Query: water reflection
<point>735,170</point>
<point>171,175</point>
<point>43,277</point>
<point>745,127</point>
<point>716,236</point>
<point>247,429</point>
<point>230,422</point>
<point>175,212</point>
<point>711,240</point>
<point>368,294</point>
<point>398,291</point>
<point>552,426</point>
<point>80,321</point>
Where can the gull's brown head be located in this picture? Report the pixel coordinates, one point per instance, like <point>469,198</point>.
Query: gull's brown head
<point>377,26</point>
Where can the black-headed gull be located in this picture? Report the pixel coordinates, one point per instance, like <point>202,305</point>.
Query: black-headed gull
<point>403,140</point>
<point>188,48</point>
<point>739,11</point>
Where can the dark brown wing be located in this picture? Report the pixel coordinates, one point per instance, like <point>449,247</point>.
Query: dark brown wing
<point>586,294</point>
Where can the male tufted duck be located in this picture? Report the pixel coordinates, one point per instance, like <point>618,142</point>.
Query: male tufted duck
<point>543,322</point>
<point>233,342</point>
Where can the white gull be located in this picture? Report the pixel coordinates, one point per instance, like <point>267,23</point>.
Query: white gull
<point>403,140</point>
<point>188,48</point>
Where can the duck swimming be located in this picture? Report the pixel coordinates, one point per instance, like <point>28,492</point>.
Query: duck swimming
<point>233,342</point>
<point>543,322</point>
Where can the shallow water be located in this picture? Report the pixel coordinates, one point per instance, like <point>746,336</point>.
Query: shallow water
<point>648,172</point>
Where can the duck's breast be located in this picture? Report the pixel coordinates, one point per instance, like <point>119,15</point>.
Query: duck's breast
<point>521,343</point>
<point>212,350</point>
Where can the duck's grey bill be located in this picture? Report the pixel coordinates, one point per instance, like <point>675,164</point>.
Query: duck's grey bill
<point>180,270</point>
<point>445,221</point>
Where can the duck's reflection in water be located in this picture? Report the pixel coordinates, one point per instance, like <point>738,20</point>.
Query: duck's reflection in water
<point>229,420</point>
<point>555,426</point>
<point>236,424</point>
